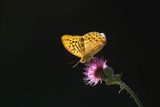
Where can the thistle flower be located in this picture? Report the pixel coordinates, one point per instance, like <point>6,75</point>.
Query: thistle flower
<point>94,71</point>
<point>97,71</point>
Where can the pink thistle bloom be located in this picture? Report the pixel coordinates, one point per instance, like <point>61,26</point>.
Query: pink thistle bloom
<point>92,71</point>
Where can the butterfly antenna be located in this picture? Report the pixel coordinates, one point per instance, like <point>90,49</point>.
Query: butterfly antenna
<point>76,64</point>
<point>70,62</point>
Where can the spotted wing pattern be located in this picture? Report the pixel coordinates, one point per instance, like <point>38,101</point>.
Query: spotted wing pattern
<point>93,43</point>
<point>74,44</point>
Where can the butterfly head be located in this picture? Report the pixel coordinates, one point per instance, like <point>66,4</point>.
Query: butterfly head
<point>102,34</point>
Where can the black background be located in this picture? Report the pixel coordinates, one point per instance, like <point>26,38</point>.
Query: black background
<point>34,70</point>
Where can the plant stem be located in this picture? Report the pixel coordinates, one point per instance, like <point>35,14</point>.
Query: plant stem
<point>123,86</point>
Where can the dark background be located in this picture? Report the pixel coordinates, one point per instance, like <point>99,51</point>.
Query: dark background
<point>34,70</point>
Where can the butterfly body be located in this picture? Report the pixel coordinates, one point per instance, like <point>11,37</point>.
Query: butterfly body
<point>86,46</point>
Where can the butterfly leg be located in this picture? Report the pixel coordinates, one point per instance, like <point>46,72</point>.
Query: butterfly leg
<point>76,64</point>
<point>93,58</point>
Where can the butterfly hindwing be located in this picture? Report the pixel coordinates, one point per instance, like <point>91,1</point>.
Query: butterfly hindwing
<point>94,42</point>
<point>74,44</point>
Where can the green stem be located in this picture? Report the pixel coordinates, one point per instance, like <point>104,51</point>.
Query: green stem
<point>129,90</point>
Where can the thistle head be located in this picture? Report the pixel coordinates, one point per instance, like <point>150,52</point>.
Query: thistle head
<point>96,71</point>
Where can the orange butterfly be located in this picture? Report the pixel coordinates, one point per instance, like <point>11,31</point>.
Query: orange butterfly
<point>86,46</point>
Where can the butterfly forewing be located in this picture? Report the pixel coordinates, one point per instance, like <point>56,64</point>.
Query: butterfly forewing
<point>93,43</point>
<point>74,44</point>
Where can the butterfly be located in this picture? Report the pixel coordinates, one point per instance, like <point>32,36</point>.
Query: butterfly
<point>86,46</point>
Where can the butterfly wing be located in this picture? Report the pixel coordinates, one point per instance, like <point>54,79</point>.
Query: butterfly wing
<point>93,42</point>
<point>74,44</point>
